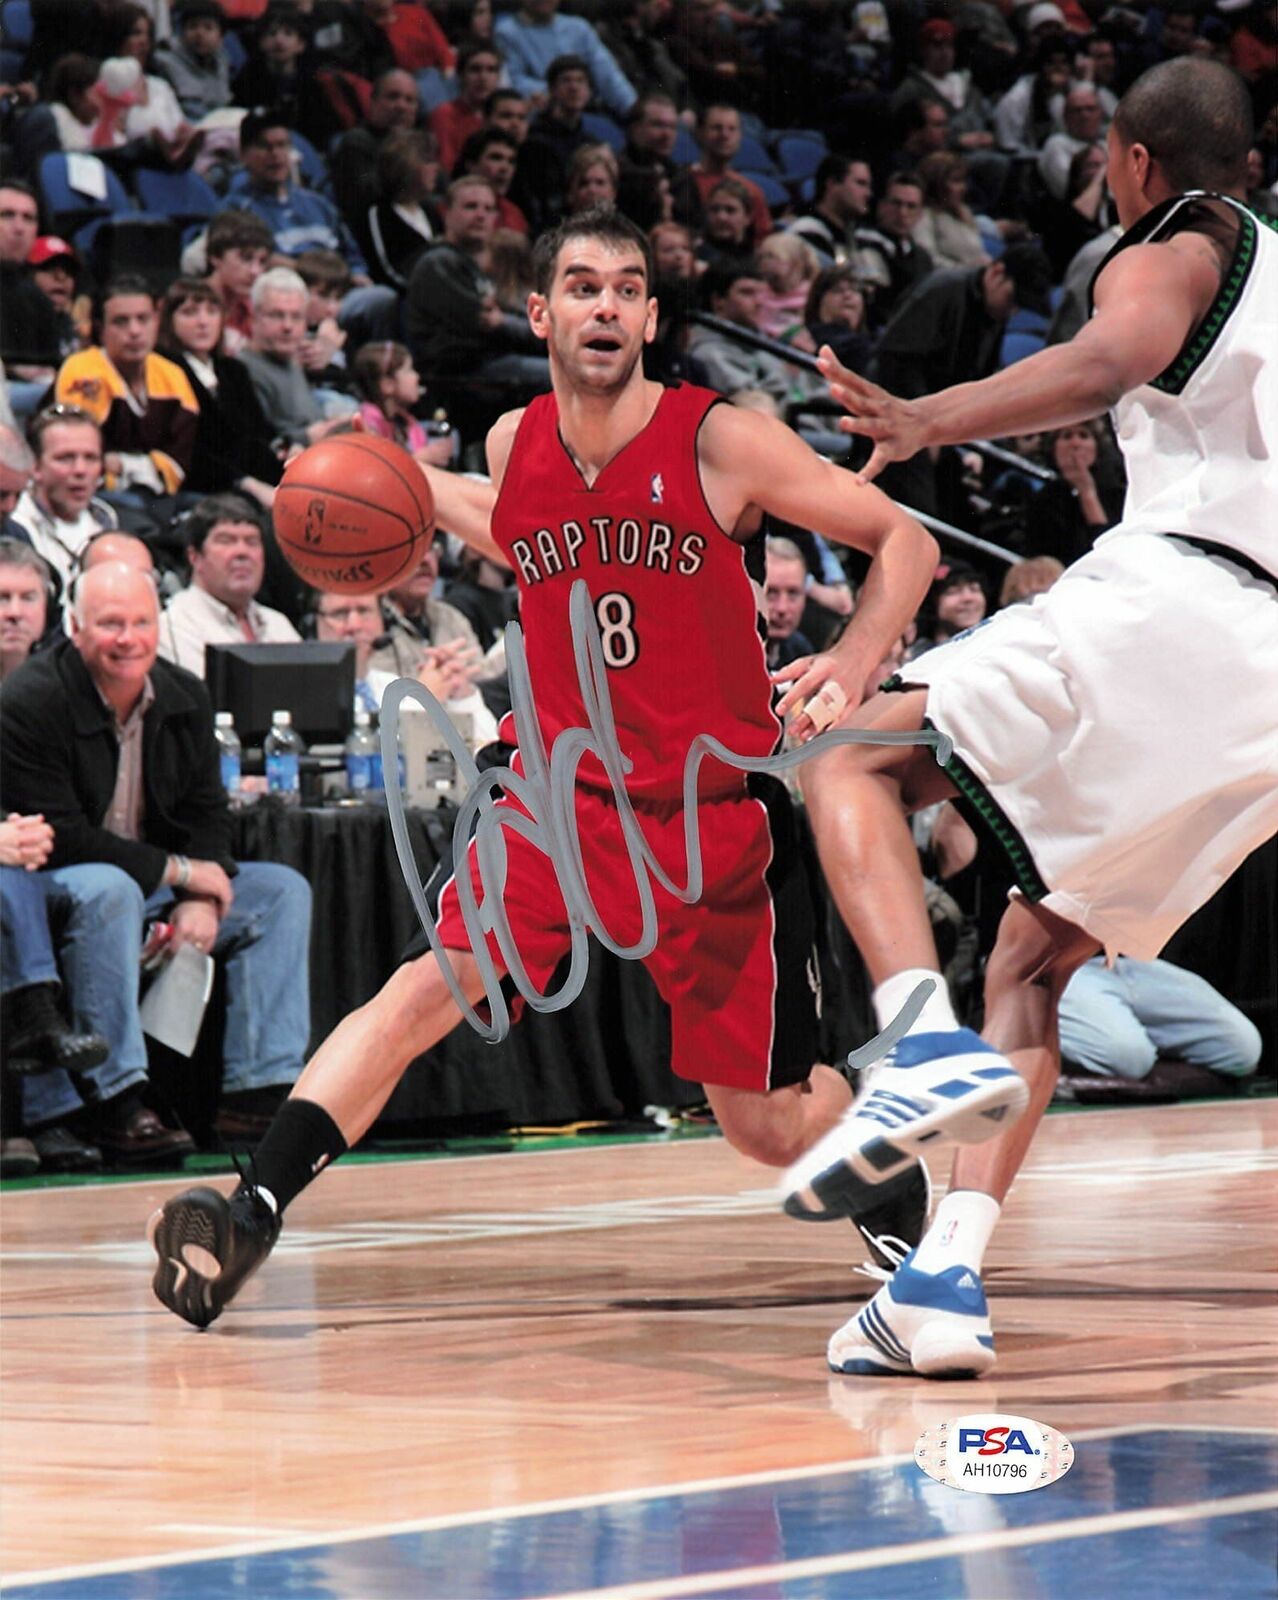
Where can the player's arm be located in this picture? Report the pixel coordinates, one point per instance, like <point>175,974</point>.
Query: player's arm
<point>750,459</point>
<point>465,507</point>
<point>1148,301</point>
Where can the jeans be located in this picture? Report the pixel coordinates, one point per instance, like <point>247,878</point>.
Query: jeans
<point>26,950</point>
<point>98,913</point>
<point>1118,1021</point>
<point>368,314</point>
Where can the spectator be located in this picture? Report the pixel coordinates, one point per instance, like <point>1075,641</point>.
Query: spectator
<point>673,258</point>
<point>631,33</point>
<point>389,389</point>
<point>452,317</point>
<point>300,219</point>
<point>1065,226</point>
<point>889,260</point>
<point>936,79</point>
<point>956,601</point>
<point>492,154</point>
<point>535,36</point>
<point>26,586</point>
<point>1023,118</point>
<point>485,595</point>
<point>447,670</point>
<point>71,94</point>
<point>232,448</point>
<point>196,62</point>
<point>785,595</point>
<point>713,56</point>
<point>508,110</point>
<point>239,245</point>
<point>416,40</point>
<point>280,72</point>
<point>478,74</point>
<point>728,233</point>
<point>923,127</point>
<point>719,139</point>
<point>949,329</point>
<point>1067,515</point>
<point>652,131</point>
<point>843,190</point>
<point>1082,114</point>
<point>155,113</point>
<point>556,133</point>
<point>417,621</point>
<point>16,463</point>
<point>59,513</point>
<point>1151,1023</point>
<point>1024,579</point>
<point>273,359</point>
<point>835,315</point>
<point>947,230</point>
<point>144,404</point>
<point>322,354</point>
<point>353,164</point>
<point>219,606</point>
<point>734,292</point>
<point>789,266</point>
<point>33,337</point>
<point>119,748</point>
<point>56,271</point>
<point>404,221</point>
<point>593,173</point>
<point>120,547</point>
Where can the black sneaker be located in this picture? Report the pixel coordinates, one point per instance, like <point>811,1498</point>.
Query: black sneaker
<point>896,1223</point>
<point>209,1245</point>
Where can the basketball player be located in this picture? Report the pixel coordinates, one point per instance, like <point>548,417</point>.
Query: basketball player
<point>1117,736</point>
<point>648,494</point>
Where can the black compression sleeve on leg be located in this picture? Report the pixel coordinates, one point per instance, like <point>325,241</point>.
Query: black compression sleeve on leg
<point>301,1141</point>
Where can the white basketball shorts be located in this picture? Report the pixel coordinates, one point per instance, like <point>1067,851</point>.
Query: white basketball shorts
<point>1119,734</point>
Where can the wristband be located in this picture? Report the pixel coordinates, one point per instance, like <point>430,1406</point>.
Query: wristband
<point>183,872</point>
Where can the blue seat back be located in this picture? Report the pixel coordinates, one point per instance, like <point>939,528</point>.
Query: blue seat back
<point>603,130</point>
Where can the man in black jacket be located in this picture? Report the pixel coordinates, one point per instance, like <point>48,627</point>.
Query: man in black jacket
<point>115,748</point>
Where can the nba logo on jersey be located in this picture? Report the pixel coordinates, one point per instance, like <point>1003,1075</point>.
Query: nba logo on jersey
<point>658,489</point>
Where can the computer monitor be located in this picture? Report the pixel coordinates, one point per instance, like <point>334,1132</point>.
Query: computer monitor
<point>316,682</point>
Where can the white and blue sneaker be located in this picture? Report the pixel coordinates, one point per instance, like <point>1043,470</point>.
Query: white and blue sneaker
<point>919,1324</point>
<point>932,1089</point>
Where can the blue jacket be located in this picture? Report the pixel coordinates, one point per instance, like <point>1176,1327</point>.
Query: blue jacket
<point>530,47</point>
<point>302,220</point>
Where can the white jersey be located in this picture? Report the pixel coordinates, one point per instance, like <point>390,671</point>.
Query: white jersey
<point>1201,440</point>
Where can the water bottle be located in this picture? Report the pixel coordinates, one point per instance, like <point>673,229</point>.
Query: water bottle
<point>283,749</point>
<point>363,760</point>
<point>228,749</point>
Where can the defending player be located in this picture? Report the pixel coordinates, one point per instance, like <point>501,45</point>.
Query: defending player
<point>647,494</point>
<point>1117,736</point>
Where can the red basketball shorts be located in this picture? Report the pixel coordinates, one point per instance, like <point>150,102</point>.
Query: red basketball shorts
<point>737,968</point>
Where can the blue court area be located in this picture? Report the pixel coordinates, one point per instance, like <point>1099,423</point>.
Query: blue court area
<point>1158,1513</point>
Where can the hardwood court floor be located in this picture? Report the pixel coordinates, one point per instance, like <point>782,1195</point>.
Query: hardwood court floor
<point>448,1338</point>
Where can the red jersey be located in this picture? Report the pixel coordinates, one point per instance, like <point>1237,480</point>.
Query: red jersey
<point>678,615</point>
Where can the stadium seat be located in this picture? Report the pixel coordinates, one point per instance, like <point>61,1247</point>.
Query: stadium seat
<point>15,22</point>
<point>184,197</point>
<point>67,209</point>
<point>135,243</point>
<point>603,130</point>
<point>774,191</point>
<point>686,149</point>
<point>1019,344</point>
<point>798,157</point>
<point>1023,321</point>
<point>313,169</point>
<point>753,158</point>
<point>235,51</point>
<point>434,89</point>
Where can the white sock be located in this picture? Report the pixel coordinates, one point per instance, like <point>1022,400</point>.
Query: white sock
<point>937,1015</point>
<point>960,1232</point>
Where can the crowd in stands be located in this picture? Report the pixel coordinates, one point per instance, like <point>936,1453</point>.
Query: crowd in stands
<point>227,227</point>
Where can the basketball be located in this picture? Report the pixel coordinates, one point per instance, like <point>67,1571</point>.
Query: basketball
<point>353,514</point>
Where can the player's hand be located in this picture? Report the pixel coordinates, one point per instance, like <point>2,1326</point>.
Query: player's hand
<point>207,878</point>
<point>893,424</point>
<point>25,841</point>
<point>194,922</point>
<point>820,694</point>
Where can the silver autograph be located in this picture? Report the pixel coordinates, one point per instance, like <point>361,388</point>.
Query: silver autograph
<point>546,790</point>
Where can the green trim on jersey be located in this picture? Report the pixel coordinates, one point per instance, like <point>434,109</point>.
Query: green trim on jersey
<point>1174,378</point>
